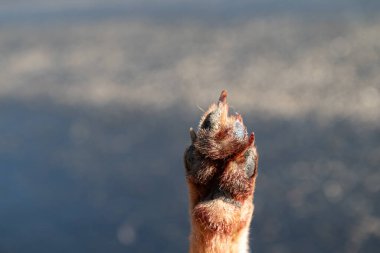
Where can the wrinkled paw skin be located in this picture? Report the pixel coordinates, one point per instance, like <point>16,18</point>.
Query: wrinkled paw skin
<point>221,168</point>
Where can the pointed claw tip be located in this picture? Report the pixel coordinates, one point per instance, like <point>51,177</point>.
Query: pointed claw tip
<point>193,135</point>
<point>251,139</point>
<point>223,96</point>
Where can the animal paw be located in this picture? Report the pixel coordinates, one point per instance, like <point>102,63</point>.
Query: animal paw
<point>221,168</point>
<point>222,159</point>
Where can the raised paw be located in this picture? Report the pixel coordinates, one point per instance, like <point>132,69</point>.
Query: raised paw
<point>221,168</point>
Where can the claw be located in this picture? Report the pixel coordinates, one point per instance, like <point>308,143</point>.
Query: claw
<point>251,139</point>
<point>223,97</point>
<point>193,135</point>
<point>223,106</point>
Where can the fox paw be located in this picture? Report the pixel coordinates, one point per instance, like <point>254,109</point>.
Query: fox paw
<point>222,159</point>
<point>221,168</point>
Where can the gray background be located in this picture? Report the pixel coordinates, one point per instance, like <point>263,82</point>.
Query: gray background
<point>96,99</point>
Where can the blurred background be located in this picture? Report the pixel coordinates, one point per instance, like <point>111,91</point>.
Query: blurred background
<point>96,99</point>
